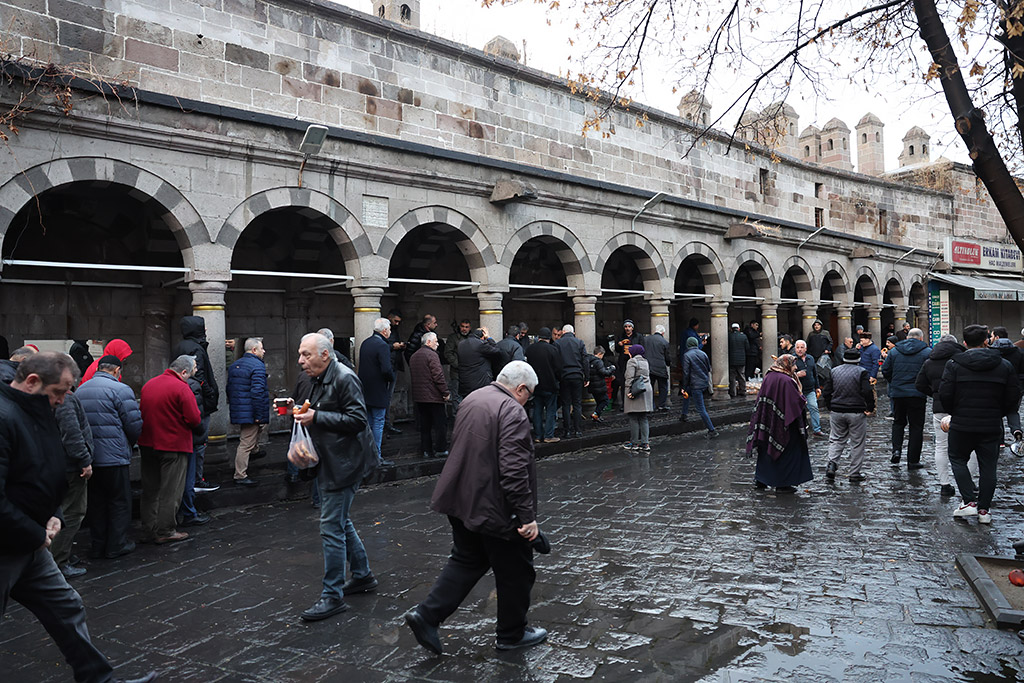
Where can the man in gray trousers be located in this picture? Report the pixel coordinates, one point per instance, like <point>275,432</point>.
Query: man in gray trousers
<point>849,397</point>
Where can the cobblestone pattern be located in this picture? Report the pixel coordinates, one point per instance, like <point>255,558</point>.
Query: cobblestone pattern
<point>668,568</point>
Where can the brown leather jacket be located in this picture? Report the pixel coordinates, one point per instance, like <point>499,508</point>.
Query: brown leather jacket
<point>490,474</point>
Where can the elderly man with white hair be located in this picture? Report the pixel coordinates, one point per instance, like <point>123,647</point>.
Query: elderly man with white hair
<point>430,392</point>
<point>659,358</point>
<point>377,375</point>
<point>488,489</point>
<point>575,376</point>
<point>249,405</point>
<point>338,426</point>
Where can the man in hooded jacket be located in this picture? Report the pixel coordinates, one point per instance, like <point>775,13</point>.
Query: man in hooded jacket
<point>115,347</point>
<point>193,343</point>
<point>901,367</point>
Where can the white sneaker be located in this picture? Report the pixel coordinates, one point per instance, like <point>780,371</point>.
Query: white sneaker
<point>966,510</point>
<point>984,517</point>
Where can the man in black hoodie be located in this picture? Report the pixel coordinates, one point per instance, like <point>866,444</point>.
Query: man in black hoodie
<point>193,331</point>
<point>928,384</point>
<point>978,388</point>
<point>1001,343</point>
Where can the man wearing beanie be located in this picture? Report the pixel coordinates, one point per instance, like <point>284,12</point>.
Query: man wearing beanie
<point>849,396</point>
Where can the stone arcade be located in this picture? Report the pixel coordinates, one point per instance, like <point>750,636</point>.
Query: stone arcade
<point>453,181</point>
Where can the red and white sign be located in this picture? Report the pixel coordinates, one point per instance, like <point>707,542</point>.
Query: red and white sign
<point>984,255</point>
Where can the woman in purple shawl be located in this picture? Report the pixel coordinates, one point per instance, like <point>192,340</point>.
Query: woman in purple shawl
<point>778,430</point>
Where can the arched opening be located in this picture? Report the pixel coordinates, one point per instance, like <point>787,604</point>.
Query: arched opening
<point>807,150</point>
<point>539,291</point>
<point>381,11</point>
<point>911,150</point>
<point>405,13</point>
<point>864,137</point>
<point>118,251</point>
<point>892,298</point>
<point>864,295</point>
<point>833,292</point>
<point>917,313</point>
<point>307,292</point>
<point>794,294</point>
<point>831,144</point>
<point>623,294</point>
<point>690,287</point>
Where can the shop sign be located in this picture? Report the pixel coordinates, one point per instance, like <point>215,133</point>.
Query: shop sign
<point>995,295</point>
<point>938,314</point>
<point>983,255</point>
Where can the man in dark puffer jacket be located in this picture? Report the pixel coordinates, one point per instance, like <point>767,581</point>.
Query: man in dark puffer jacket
<point>1001,343</point>
<point>847,393</point>
<point>900,369</point>
<point>928,383</point>
<point>978,389</point>
<point>249,403</point>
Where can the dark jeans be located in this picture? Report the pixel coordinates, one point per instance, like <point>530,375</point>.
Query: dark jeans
<point>545,405</point>
<point>752,363</point>
<point>600,397</point>
<point>908,409</point>
<point>572,403</point>
<point>110,508</point>
<point>433,427</point>
<point>472,555</point>
<point>34,581</point>
<point>661,385</point>
<point>737,381</point>
<point>987,447</point>
<point>697,396</point>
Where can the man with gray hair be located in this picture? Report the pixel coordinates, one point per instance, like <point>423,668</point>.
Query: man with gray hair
<point>575,376</point>
<point>342,358</point>
<point>377,375</point>
<point>488,489</point>
<point>430,392</point>
<point>8,367</point>
<point>249,405</point>
<point>169,414</point>
<point>900,369</point>
<point>659,358</point>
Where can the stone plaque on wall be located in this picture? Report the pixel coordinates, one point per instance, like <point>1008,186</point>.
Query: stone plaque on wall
<point>375,212</point>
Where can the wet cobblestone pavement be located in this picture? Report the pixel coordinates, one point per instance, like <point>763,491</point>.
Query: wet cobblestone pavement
<point>667,568</point>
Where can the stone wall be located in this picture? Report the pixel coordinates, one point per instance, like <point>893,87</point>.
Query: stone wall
<point>327,64</point>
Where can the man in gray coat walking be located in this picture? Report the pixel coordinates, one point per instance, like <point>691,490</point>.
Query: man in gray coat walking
<point>659,357</point>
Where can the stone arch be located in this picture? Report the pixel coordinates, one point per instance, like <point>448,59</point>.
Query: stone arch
<point>762,274</point>
<point>873,296</point>
<point>900,297</point>
<point>708,263</point>
<point>475,246</point>
<point>348,233</point>
<point>572,253</point>
<point>805,280</point>
<point>176,211</point>
<point>652,268</point>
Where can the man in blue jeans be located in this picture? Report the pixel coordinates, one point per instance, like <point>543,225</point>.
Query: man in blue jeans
<point>696,380</point>
<point>810,386</point>
<point>546,360</point>
<point>377,375</point>
<point>338,427</point>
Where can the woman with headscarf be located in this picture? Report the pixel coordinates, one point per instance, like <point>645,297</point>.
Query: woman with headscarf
<point>778,430</point>
<point>638,406</point>
<point>627,338</point>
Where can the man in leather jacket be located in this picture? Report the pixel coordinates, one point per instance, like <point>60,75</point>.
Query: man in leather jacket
<point>340,432</point>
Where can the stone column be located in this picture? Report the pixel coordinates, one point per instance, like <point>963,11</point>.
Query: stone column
<point>659,314</point>
<point>900,316</point>
<point>366,309</point>
<point>157,305</point>
<point>584,319</point>
<point>875,325</point>
<point>845,315</point>
<point>296,312</point>
<point>769,333</point>
<point>720,347</point>
<point>810,315</point>
<point>491,315</point>
<point>208,304</point>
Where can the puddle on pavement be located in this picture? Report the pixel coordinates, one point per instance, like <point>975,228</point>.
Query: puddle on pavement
<point>1006,674</point>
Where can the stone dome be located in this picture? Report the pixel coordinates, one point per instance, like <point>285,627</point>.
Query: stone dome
<point>810,130</point>
<point>500,46</point>
<point>834,124</point>
<point>916,132</point>
<point>870,119</point>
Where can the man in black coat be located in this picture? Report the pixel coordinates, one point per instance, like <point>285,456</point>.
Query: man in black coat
<point>478,354</point>
<point>193,331</point>
<point>1001,343</point>
<point>739,348</point>
<point>928,379</point>
<point>428,324</point>
<point>546,361</point>
<point>377,375</point>
<point>575,376</point>
<point>340,431</point>
<point>659,357</point>
<point>32,484</point>
<point>977,388</point>
<point>753,333</point>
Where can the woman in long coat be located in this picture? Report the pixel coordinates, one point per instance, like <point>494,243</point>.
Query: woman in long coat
<point>638,408</point>
<point>778,430</point>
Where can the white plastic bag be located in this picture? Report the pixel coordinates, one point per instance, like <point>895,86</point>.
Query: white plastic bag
<point>301,452</point>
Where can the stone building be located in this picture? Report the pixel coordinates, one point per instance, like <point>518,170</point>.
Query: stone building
<point>451,182</point>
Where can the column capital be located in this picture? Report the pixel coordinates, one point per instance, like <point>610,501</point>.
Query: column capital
<point>719,309</point>
<point>490,302</point>
<point>208,295</point>
<point>769,309</point>
<point>584,305</point>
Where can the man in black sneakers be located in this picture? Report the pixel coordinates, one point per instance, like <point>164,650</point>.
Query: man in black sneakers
<point>848,394</point>
<point>488,489</point>
<point>978,388</point>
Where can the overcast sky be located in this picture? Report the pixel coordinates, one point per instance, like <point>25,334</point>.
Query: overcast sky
<point>546,48</point>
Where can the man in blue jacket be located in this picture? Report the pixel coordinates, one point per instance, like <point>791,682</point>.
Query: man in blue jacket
<point>900,370</point>
<point>869,355</point>
<point>249,404</point>
<point>377,375</point>
<point>116,423</point>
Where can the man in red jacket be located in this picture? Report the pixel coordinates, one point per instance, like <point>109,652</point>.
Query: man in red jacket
<point>488,489</point>
<point>169,414</point>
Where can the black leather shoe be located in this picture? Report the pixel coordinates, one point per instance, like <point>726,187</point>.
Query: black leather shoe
<point>895,459</point>
<point>148,678</point>
<point>947,490</point>
<point>1018,547</point>
<point>200,519</point>
<point>857,478</point>
<point>324,607</point>
<point>426,635</point>
<point>915,465</point>
<point>363,585</point>
<point>70,572</point>
<point>122,551</point>
<point>531,636</point>
<point>246,482</point>
<point>391,429</point>
<point>831,469</point>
